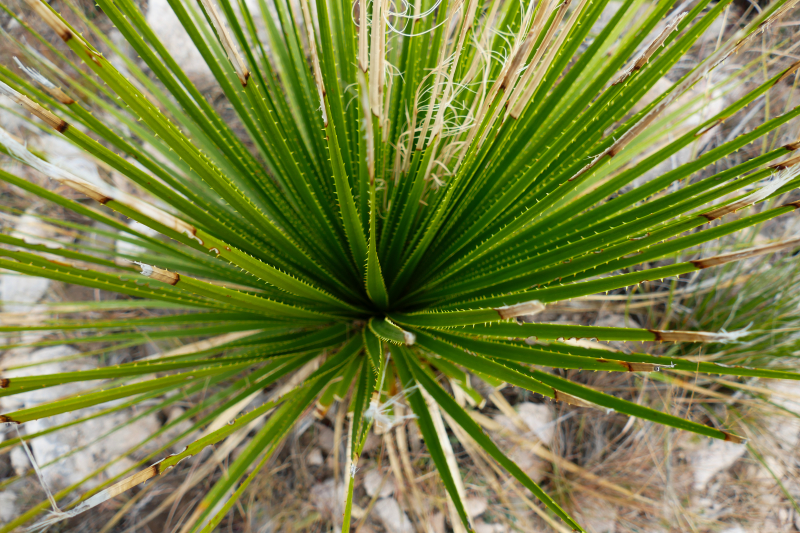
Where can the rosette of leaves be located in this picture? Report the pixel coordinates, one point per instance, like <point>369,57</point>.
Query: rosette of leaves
<point>401,183</point>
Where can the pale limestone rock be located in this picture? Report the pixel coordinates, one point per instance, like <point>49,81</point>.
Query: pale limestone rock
<point>710,103</point>
<point>125,48</point>
<point>173,36</point>
<point>120,466</point>
<point>785,429</point>
<point>19,292</point>
<point>36,397</point>
<point>19,460</point>
<point>69,157</point>
<point>325,438</point>
<point>538,417</point>
<point>328,498</point>
<point>372,481</point>
<point>616,320</point>
<point>392,516</point>
<point>96,452</point>
<point>49,448</point>
<point>33,230</point>
<point>129,248</point>
<point>777,467</point>
<point>314,457</point>
<point>605,17</point>
<point>475,506</point>
<point>531,464</point>
<point>783,515</point>
<point>8,506</point>
<point>712,457</point>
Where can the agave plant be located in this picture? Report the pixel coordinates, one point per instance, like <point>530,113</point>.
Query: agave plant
<point>402,183</point>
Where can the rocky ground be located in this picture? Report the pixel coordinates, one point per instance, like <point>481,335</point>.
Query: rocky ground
<point>615,474</point>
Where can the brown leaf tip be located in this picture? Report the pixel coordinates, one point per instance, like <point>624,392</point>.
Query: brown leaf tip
<point>7,420</point>
<point>789,71</point>
<point>534,307</point>
<point>570,399</point>
<point>159,274</point>
<point>642,367</point>
<point>682,336</point>
<point>131,481</point>
<point>719,213</point>
<point>62,263</point>
<point>736,439</point>
<point>89,189</point>
<point>51,19</point>
<point>796,204</point>
<point>707,263</point>
<point>783,165</point>
<point>47,116</point>
<point>4,382</point>
<point>744,254</point>
<point>61,96</point>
